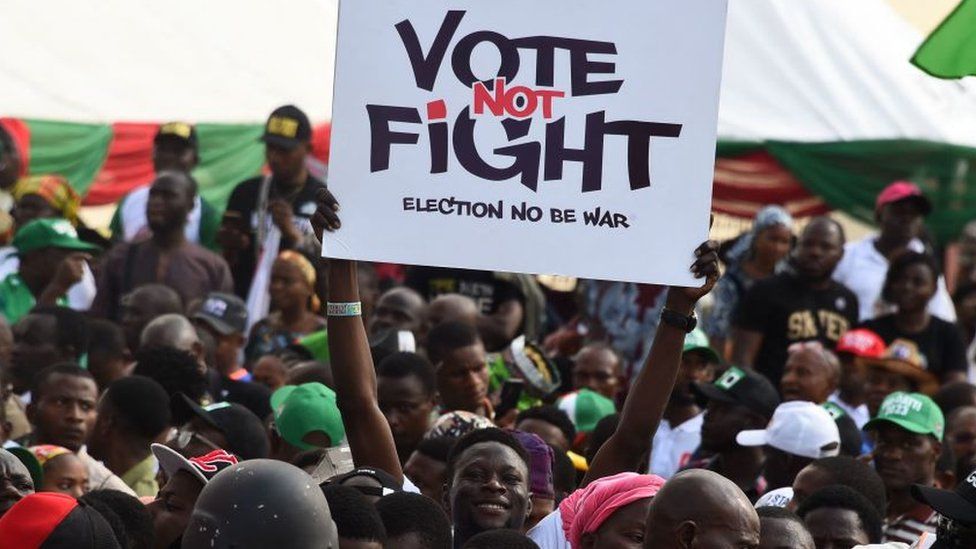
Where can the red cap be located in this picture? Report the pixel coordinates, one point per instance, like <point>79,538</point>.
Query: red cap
<point>861,343</point>
<point>31,520</point>
<point>900,190</point>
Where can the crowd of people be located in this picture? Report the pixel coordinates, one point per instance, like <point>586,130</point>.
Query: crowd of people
<point>194,379</point>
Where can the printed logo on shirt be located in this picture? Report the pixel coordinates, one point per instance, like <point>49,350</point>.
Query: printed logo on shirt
<point>802,325</point>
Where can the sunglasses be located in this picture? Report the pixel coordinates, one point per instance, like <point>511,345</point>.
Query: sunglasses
<point>185,436</point>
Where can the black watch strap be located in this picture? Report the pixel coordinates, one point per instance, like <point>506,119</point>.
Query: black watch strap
<point>687,323</point>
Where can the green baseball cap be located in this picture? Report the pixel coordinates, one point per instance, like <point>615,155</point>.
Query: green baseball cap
<point>586,408</point>
<point>49,233</point>
<point>698,341</point>
<point>913,412</point>
<point>306,408</point>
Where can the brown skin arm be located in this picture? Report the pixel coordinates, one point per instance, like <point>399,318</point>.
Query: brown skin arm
<point>367,431</point>
<point>645,404</point>
<point>500,328</point>
<point>745,347</point>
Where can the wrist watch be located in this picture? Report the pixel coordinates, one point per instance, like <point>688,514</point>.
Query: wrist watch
<point>687,323</point>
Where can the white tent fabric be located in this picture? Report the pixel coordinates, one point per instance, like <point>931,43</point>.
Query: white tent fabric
<point>149,61</point>
<point>834,70</point>
<point>810,70</point>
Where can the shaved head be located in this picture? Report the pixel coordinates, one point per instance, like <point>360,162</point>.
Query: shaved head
<point>399,308</point>
<point>699,508</point>
<point>452,308</point>
<point>174,331</point>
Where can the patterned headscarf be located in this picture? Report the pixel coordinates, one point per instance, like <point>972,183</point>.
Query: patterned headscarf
<point>767,217</point>
<point>307,270</point>
<point>46,452</point>
<point>55,190</point>
<point>458,424</point>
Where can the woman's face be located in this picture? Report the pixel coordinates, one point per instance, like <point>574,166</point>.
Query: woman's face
<point>31,207</point>
<point>772,243</point>
<point>912,289</point>
<point>289,288</point>
<point>623,529</point>
<point>880,384</point>
<point>66,474</point>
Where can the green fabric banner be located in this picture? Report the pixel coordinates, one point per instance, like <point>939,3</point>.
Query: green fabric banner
<point>848,175</point>
<point>76,151</point>
<point>950,51</point>
<point>229,154</point>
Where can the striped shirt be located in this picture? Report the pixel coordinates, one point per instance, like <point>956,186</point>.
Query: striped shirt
<point>910,526</point>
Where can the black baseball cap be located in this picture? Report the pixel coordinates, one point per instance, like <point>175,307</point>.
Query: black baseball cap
<point>386,483</point>
<point>287,127</point>
<point>741,386</point>
<point>243,430</point>
<point>958,505</point>
<point>180,132</point>
<point>225,313</point>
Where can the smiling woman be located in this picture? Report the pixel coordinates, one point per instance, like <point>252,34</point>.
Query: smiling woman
<point>487,484</point>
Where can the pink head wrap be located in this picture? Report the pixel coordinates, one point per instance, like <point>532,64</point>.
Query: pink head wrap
<point>586,509</point>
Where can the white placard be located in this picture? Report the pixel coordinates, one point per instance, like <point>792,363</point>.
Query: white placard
<point>572,137</point>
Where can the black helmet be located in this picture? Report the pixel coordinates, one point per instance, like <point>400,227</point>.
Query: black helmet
<point>261,503</point>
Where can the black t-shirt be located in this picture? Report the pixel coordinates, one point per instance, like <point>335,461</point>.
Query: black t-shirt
<point>786,311</point>
<point>941,342</point>
<point>244,200</point>
<point>482,286</point>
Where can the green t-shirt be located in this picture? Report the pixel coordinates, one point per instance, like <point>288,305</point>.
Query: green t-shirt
<point>16,299</point>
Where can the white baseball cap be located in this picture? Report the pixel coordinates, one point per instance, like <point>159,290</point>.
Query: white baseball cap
<point>799,428</point>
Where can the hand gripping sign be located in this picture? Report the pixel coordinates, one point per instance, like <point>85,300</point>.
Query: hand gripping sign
<point>553,136</point>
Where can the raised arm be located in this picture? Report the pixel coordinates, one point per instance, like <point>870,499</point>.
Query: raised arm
<point>367,431</point>
<point>644,407</point>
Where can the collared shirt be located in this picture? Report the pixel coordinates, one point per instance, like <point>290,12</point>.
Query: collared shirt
<point>673,447</point>
<point>910,526</point>
<point>859,414</point>
<point>142,477</point>
<point>863,270</point>
<point>16,299</point>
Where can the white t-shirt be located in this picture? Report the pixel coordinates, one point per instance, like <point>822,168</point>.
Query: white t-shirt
<point>860,415</point>
<point>133,216</point>
<point>672,448</point>
<point>548,532</point>
<point>863,270</point>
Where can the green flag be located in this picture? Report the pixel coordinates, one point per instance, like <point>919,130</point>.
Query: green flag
<point>950,51</point>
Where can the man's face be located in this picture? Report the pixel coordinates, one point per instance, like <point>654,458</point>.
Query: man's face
<point>137,310</point>
<point>548,432</point>
<point>35,348</point>
<point>819,250</point>
<point>962,435</point>
<point>624,529</point>
<point>170,201</point>
<point>64,414</point>
<point>882,383</point>
<point>903,458</point>
<point>285,164</point>
<point>407,408</point>
<point>597,369</point>
<point>15,481</point>
<point>808,481</point>
<point>427,474</point>
<point>853,374</point>
<point>41,264</point>
<point>734,527</point>
<point>172,508</point>
<point>832,527</point>
<point>807,376</point>
<point>173,155</point>
<point>490,489</point>
<point>462,379</point>
<point>783,534</point>
<point>269,371</point>
<point>781,468</point>
<point>695,368</point>
<point>396,310</point>
<point>227,348</point>
<point>900,221</point>
<point>722,423</point>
